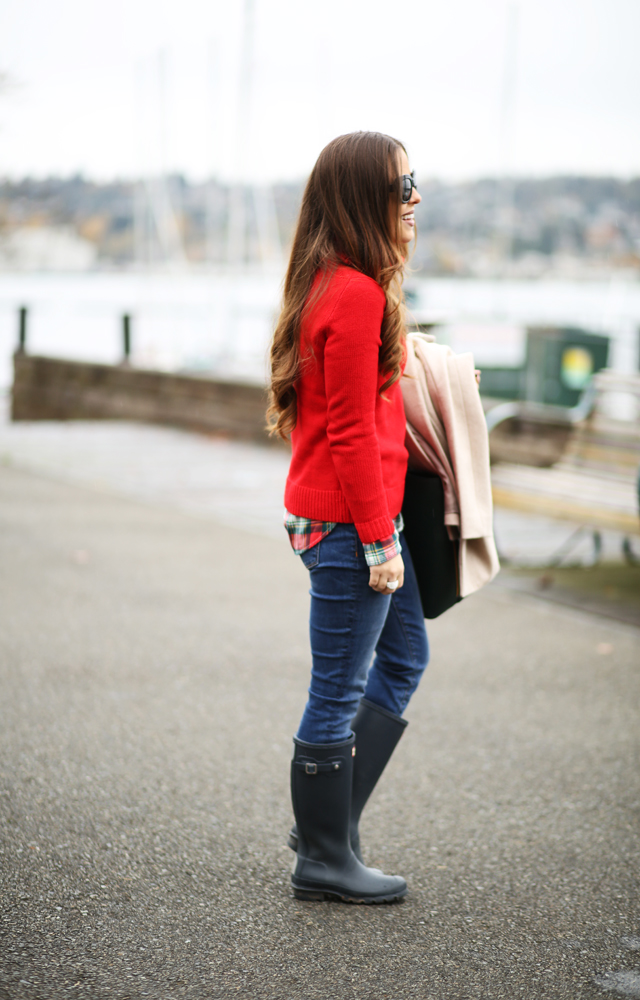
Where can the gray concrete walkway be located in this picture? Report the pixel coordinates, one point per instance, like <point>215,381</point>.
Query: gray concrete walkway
<point>153,667</point>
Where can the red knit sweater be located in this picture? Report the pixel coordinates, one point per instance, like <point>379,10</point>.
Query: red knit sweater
<point>349,460</point>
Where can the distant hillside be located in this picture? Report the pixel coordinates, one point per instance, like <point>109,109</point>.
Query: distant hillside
<point>530,226</point>
<point>566,226</point>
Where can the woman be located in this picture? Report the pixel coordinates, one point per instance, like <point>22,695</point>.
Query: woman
<point>336,359</point>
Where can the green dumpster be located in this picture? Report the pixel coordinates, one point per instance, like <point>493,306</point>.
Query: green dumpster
<point>560,362</point>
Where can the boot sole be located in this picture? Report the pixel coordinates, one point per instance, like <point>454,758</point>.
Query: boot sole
<point>322,895</point>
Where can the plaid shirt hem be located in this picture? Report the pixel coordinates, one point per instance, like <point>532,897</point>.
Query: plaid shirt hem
<point>304,533</point>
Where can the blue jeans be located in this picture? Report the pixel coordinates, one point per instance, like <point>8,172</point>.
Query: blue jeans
<point>349,623</point>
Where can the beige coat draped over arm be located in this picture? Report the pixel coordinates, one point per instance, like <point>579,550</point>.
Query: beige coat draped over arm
<point>447,434</point>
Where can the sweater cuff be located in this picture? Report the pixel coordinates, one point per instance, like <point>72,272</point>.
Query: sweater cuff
<point>373,531</point>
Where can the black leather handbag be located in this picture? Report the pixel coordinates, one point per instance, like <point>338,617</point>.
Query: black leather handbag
<point>434,555</point>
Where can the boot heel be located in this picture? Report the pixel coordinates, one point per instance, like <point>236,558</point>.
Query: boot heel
<point>309,894</point>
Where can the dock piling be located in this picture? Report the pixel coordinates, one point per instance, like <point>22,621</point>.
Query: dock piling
<point>126,338</point>
<point>22,329</point>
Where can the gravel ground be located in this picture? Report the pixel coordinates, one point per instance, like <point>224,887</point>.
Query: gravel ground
<point>153,668</point>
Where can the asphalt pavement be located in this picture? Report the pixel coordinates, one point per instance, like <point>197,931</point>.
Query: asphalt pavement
<point>153,667</point>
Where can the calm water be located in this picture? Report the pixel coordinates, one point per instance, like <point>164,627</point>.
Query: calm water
<point>222,322</point>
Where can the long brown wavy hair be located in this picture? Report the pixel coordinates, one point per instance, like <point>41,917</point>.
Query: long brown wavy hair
<point>345,214</point>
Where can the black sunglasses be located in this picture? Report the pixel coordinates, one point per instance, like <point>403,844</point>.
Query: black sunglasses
<point>407,184</point>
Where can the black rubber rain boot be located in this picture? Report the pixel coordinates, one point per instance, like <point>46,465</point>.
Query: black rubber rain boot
<point>377,733</point>
<point>326,867</point>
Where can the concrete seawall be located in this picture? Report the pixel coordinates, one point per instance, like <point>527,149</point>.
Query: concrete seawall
<point>57,389</point>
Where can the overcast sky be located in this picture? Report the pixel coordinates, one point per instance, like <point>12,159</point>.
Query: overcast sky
<point>86,84</point>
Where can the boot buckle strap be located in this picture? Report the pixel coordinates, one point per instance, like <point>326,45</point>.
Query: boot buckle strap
<point>313,767</point>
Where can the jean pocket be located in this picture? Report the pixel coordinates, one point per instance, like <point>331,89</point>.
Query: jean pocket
<point>310,556</point>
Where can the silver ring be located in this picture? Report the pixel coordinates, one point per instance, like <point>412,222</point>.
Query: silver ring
<point>392,584</point>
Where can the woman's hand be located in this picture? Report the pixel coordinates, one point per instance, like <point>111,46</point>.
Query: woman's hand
<point>391,571</point>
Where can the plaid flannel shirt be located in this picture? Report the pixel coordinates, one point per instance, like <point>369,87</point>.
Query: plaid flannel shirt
<point>305,533</point>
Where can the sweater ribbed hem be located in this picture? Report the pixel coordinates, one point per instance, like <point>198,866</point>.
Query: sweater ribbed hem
<point>320,505</point>
<point>324,505</point>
